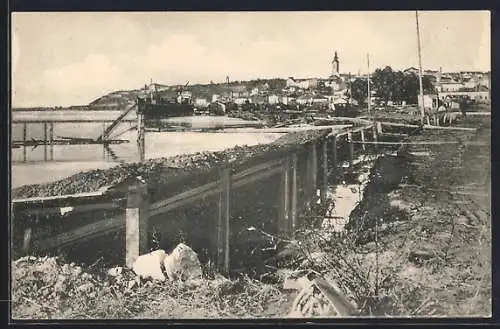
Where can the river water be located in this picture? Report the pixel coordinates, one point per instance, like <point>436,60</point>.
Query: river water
<point>30,167</point>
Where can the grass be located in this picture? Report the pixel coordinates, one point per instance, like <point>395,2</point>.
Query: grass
<point>46,288</point>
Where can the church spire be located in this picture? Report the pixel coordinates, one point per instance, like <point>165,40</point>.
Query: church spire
<point>335,65</point>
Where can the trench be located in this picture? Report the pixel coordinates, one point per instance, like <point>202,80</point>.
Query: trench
<point>252,240</point>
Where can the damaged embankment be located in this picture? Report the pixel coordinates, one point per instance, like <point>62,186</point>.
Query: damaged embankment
<point>419,241</point>
<point>406,250</point>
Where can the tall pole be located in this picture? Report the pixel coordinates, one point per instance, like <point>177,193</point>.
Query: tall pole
<point>422,114</point>
<point>368,83</point>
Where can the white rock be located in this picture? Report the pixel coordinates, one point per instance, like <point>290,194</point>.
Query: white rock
<point>149,265</point>
<point>115,271</point>
<point>183,263</point>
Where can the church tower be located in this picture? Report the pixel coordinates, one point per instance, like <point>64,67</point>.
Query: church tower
<point>335,65</point>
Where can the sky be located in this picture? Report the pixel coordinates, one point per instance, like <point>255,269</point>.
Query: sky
<point>70,58</point>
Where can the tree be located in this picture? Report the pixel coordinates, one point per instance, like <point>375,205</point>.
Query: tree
<point>384,83</point>
<point>411,87</point>
<point>359,90</point>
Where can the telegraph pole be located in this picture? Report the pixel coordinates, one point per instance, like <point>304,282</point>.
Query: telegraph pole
<point>368,83</point>
<point>422,112</point>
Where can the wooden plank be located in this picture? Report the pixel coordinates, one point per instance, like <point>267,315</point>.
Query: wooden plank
<point>67,121</point>
<point>65,197</point>
<point>82,233</point>
<point>349,131</point>
<point>136,223</point>
<point>256,169</point>
<point>345,119</point>
<point>284,129</point>
<point>206,191</point>
<point>427,126</point>
<point>184,198</point>
<point>269,172</point>
<point>294,193</point>
<point>75,209</point>
<point>424,143</point>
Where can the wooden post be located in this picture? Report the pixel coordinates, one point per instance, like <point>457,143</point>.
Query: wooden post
<point>379,128</point>
<point>294,193</point>
<point>284,204</point>
<point>27,240</point>
<point>223,228</point>
<point>334,155</point>
<point>45,141</point>
<point>314,167</point>
<point>51,138</point>
<point>103,145</point>
<point>363,139</point>
<point>351,149</point>
<point>136,217</point>
<point>324,167</point>
<point>140,136</point>
<point>24,141</point>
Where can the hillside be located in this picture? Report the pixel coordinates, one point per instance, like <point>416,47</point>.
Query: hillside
<point>119,99</point>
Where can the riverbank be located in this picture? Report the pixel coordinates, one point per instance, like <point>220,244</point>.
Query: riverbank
<point>417,244</point>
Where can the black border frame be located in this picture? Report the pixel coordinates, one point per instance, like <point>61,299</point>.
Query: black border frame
<point>159,5</point>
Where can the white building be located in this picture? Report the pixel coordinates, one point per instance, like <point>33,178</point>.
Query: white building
<point>273,99</point>
<point>450,86</point>
<point>241,100</point>
<point>215,98</point>
<point>201,102</point>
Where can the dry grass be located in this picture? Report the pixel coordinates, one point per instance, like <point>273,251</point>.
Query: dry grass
<point>44,288</point>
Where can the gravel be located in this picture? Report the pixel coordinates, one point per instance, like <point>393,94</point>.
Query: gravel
<point>161,171</point>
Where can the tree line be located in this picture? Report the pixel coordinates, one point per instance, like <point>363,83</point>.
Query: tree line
<point>391,85</point>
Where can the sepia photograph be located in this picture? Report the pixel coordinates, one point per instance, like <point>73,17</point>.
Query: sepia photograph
<point>250,165</point>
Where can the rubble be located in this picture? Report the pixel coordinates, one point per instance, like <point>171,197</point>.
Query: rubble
<point>183,264</point>
<point>150,265</point>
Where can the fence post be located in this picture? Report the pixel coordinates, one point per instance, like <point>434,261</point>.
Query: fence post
<point>294,192</point>
<point>351,148</point>
<point>140,136</point>
<point>136,218</point>
<point>334,155</point>
<point>45,140</point>
<point>324,167</point>
<point>284,204</point>
<point>27,240</point>
<point>314,168</point>
<point>363,139</point>
<point>223,228</point>
<point>375,134</point>
<point>51,138</point>
<point>379,128</point>
<point>24,141</point>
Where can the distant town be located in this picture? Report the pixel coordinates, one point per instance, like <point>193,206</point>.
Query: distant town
<point>388,88</point>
